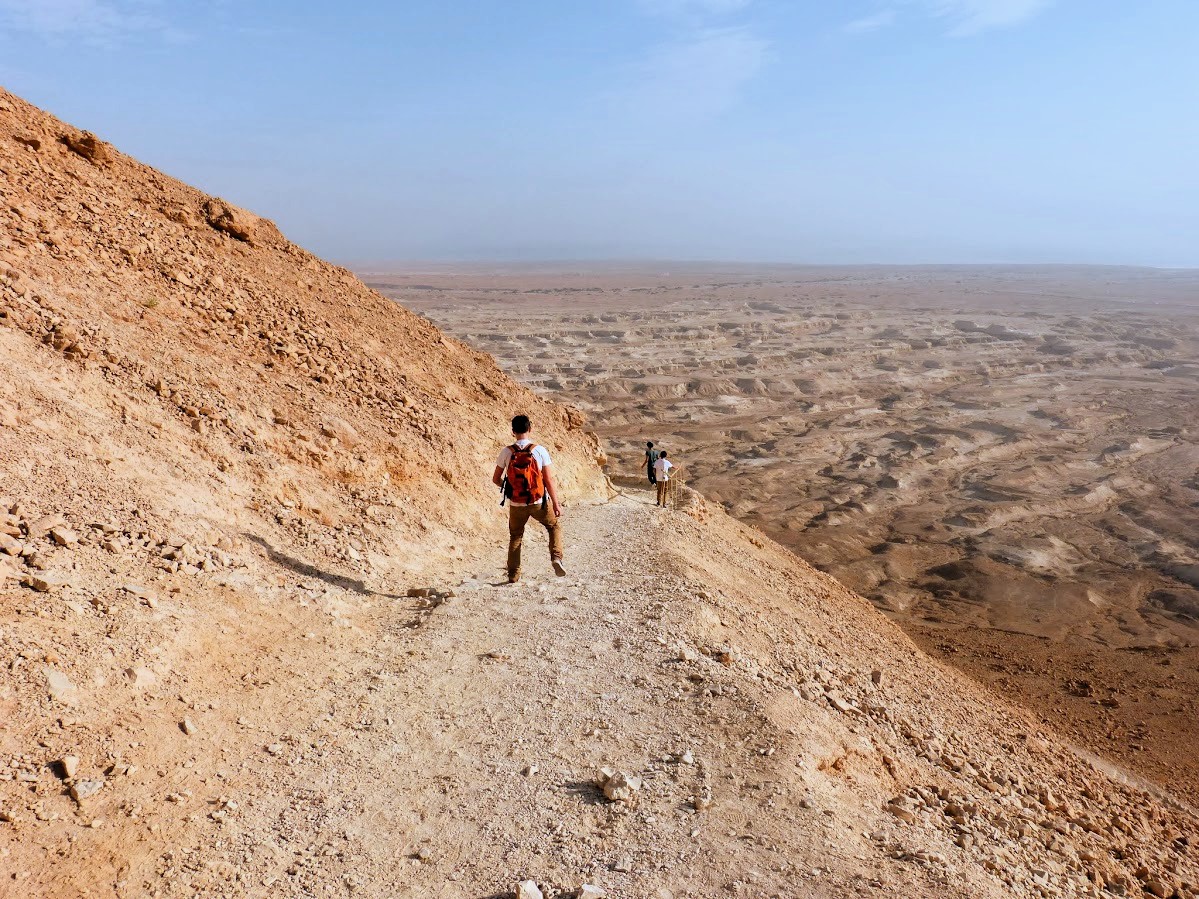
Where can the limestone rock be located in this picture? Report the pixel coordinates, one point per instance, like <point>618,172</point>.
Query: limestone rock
<point>182,215</point>
<point>43,583</point>
<point>590,891</point>
<point>64,536</point>
<point>901,812</point>
<point>527,889</point>
<point>45,524</point>
<point>342,430</point>
<point>85,789</point>
<point>89,147</point>
<point>69,766</point>
<point>617,785</point>
<point>228,219</point>
<point>60,686</point>
<point>141,678</point>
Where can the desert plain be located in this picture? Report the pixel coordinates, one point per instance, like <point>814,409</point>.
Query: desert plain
<point>1004,460</point>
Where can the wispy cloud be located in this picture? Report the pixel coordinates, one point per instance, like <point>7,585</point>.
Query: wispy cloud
<point>698,76</point>
<point>701,70</point>
<point>963,17</point>
<point>693,8</point>
<point>95,21</point>
<point>972,16</point>
<point>872,23</point>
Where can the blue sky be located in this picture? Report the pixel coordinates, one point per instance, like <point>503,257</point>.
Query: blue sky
<point>757,130</point>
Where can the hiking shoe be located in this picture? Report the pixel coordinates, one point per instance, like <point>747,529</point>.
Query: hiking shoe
<point>559,568</point>
<point>513,578</point>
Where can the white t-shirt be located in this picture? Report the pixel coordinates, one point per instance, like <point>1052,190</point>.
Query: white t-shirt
<point>540,455</point>
<point>662,469</point>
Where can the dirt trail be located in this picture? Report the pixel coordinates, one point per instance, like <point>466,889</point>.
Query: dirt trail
<point>350,742</point>
<point>456,756</point>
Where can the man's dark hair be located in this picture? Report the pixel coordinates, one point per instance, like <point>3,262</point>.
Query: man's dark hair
<point>649,443</point>
<point>662,455</point>
<point>521,424</point>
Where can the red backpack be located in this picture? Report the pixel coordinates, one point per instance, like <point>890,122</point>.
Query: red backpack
<point>525,483</point>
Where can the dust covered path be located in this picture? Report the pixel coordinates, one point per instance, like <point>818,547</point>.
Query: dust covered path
<point>350,742</point>
<point>488,725</point>
<point>454,752</point>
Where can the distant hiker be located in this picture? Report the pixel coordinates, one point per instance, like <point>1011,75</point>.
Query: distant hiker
<point>662,477</point>
<point>523,472</point>
<point>651,456</point>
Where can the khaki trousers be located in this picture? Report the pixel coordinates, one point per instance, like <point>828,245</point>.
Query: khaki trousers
<point>662,485</point>
<point>518,517</point>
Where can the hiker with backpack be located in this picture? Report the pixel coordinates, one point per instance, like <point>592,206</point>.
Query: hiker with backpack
<point>651,456</point>
<point>523,473</point>
<point>662,469</point>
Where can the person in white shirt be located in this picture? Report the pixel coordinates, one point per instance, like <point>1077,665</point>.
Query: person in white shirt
<point>662,473</point>
<point>525,472</point>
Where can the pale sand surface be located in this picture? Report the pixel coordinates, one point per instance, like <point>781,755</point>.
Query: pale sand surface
<point>1002,459</point>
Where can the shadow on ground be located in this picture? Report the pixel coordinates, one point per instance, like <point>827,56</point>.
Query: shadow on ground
<point>299,566</point>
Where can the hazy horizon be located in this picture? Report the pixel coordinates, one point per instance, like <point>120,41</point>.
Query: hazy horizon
<point>400,265</point>
<point>884,132</point>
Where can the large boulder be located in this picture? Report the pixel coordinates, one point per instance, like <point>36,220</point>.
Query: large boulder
<point>228,219</point>
<point>88,146</point>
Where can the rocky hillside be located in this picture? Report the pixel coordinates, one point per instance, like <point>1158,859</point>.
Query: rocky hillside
<point>170,347</point>
<point>251,642</point>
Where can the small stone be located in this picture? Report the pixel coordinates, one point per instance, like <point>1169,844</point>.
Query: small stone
<point>876,677</point>
<point>60,686</point>
<point>837,702</point>
<point>43,583</point>
<point>85,789</point>
<point>69,766</point>
<point>529,770</point>
<point>1155,887</point>
<point>590,891</point>
<point>702,803</point>
<point>64,536</point>
<point>188,727</point>
<point>618,786</point>
<point>141,678</point>
<point>687,758</point>
<point>527,889</point>
<point>45,524</point>
<point>903,814</point>
<point>624,864</point>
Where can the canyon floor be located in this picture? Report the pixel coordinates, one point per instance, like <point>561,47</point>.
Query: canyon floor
<point>1004,460</point>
